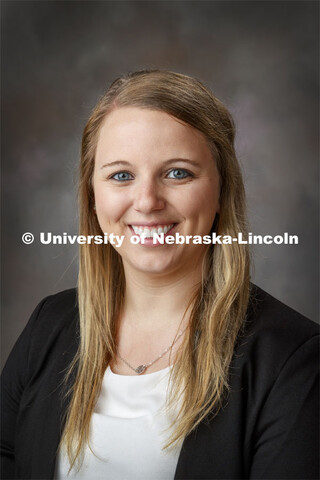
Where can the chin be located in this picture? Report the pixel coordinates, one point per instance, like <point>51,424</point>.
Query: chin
<point>155,268</point>
<point>154,265</point>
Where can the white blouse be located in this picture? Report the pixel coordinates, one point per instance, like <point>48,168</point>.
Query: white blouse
<point>127,432</point>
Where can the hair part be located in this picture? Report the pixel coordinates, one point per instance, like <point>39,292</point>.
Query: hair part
<point>199,380</point>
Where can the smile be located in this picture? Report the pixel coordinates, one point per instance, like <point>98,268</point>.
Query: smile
<point>149,232</point>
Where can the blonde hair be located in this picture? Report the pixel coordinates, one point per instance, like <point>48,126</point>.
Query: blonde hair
<point>200,374</point>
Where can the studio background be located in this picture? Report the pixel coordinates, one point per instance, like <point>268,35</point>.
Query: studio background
<point>58,57</point>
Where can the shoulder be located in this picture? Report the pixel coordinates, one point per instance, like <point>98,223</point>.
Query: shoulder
<point>53,324</point>
<point>51,333</point>
<point>53,315</point>
<point>274,333</point>
<point>275,374</point>
<point>66,298</point>
<point>60,306</point>
<point>268,317</point>
<point>54,312</point>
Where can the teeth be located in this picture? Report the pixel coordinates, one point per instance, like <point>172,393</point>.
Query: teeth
<point>150,232</point>
<point>167,228</point>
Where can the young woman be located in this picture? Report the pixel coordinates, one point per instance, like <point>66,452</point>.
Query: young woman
<point>165,362</point>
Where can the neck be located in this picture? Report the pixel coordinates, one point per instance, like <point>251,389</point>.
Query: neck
<point>154,302</point>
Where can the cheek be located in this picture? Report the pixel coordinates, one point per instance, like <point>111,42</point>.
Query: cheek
<point>204,204</point>
<point>110,205</point>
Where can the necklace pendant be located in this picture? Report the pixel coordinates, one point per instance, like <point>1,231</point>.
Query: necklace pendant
<point>141,369</point>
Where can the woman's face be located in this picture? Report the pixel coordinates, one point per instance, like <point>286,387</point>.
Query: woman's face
<point>154,174</point>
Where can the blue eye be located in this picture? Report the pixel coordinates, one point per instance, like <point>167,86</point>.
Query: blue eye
<point>178,173</point>
<point>122,176</point>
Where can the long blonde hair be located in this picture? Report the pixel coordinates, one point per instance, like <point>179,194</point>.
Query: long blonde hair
<point>200,374</point>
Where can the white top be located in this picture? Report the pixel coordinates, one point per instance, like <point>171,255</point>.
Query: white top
<point>127,431</point>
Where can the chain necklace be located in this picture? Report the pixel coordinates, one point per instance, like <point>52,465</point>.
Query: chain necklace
<point>143,367</point>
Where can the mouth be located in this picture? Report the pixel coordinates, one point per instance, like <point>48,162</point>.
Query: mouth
<point>150,231</point>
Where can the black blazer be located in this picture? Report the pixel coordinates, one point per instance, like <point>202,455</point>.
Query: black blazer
<point>268,428</point>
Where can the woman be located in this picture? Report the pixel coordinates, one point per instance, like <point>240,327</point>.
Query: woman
<point>166,362</point>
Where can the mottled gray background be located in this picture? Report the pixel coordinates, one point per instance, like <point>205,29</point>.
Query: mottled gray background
<point>259,57</point>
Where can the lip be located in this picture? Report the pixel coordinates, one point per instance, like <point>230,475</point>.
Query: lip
<point>150,224</point>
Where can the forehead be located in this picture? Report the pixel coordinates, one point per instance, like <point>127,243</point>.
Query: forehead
<point>130,131</point>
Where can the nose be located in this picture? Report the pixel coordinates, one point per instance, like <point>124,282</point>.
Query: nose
<point>148,197</point>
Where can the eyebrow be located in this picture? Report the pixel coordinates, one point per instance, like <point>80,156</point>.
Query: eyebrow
<point>121,163</point>
<point>124,163</point>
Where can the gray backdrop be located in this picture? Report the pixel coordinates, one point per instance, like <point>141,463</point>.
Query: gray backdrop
<point>259,57</point>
